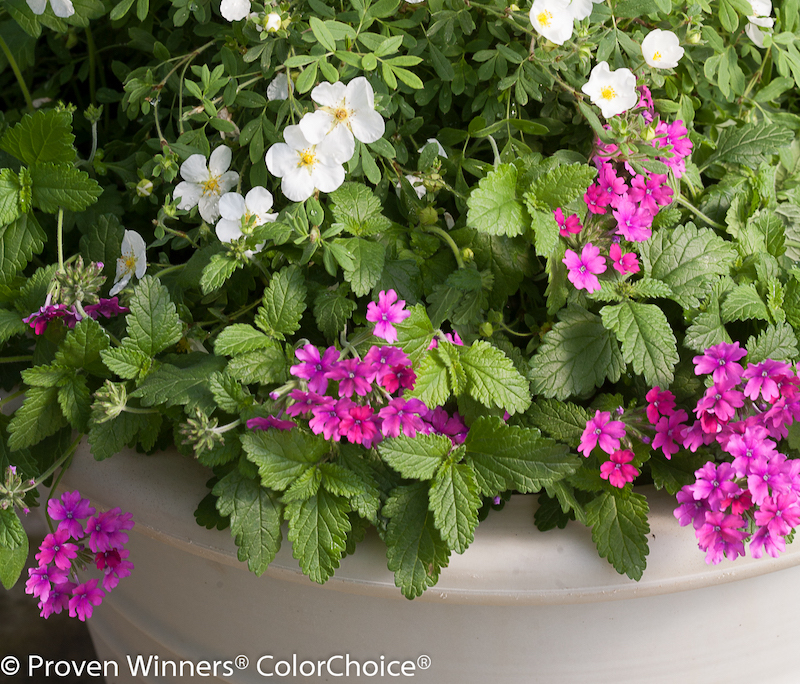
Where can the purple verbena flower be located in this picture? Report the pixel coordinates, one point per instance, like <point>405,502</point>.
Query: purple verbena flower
<point>633,221</point>
<point>762,378</point>
<point>326,418</point>
<point>358,424</point>
<point>400,413</point>
<point>385,313</point>
<point>596,199</point>
<point>722,534</point>
<point>669,432</point>
<point>304,402</point>
<point>57,600</point>
<point>651,193</point>
<point>583,269</point>
<point>744,448</point>
<point>714,483</point>
<point>659,403</point>
<point>603,431</point>
<point>690,510</point>
<point>56,549</point>
<point>353,376</point>
<point>270,422</point>
<point>41,579</point>
<point>381,360</point>
<point>624,263</point>
<point>721,361</point>
<point>84,599</point>
<point>315,366</point>
<point>618,469</point>
<point>70,510</point>
<point>107,530</point>
<point>571,225</point>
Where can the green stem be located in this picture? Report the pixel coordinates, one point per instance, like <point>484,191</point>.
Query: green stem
<point>47,473</point>
<point>140,411</point>
<point>11,397</point>
<point>450,242</point>
<point>15,68</point>
<point>700,214</point>
<point>60,239</point>
<point>170,269</point>
<point>15,359</point>
<point>225,428</point>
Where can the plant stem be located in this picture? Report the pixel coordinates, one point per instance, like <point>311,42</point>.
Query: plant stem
<point>15,68</point>
<point>700,214</point>
<point>11,397</point>
<point>451,243</point>
<point>60,239</point>
<point>47,473</point>
<point>15,359</point>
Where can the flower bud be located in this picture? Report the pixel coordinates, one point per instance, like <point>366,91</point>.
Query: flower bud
<point>486,329</point>
<point>144,188</point>
<point>693,37</point>
<point>428,216</point>
<point>467,255</point>
<point>110,400</point>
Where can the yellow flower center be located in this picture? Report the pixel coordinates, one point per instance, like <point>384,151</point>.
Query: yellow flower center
<point>307,158</point>
<point>211,186</point>
<point>608,93</point>
<point>544,18</point>
<point>128,262</point>
<point>656,56</point>
<point>340,113</point>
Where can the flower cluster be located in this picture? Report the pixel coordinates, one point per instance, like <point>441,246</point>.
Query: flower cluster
<point>608,435</point>
<point>70,315</point>
<point>79,527</point>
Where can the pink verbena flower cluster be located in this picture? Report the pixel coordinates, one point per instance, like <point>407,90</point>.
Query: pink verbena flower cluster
<point>38,320</point>
<point>632,199</point>
<point>608,435</point>
<point>79,527</point>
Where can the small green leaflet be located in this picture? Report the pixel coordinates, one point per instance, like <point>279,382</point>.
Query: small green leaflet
<point>282,457</point>
<point>492,378</point>
<point>230,395</point>
<point>749,145</point>
<point>264,366</point>
<point>239,338</point>
<point>368,259</point>
<point>646,338</point>
<point>12,562</point>
<point>62,186</point>
<point>42,137</point>
<point>171,386</point>
<point>454,502</point>
<point>494,208</point>
<point>37,418</point>
<point>432,383</point>
<point>332,310</point>
<point>83,345</point>
<point>153,322</point>
<point>743,303</point>
<point>19,241</point>
<point>109,438</point>
<point>415,334</point>
<point>127,360</point>
<point>416,457</point>
<point>12,534</point>
<point>415,549</point>
<point>777,342</point>
<point>255,514</point>
<point>11,197</point>
<point>357,210</point>
<point>705,331</point>
<point>283,304</point>
<point>576,356</point>
<point>562,420</point>
<point>619,529</point>
<point>560,186</point>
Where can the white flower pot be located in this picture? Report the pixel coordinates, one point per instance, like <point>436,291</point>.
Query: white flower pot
<point>519,606</point>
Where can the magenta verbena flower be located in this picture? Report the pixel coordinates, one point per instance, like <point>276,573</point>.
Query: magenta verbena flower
<point>71,511</point>
<point>691,510</point>
<point>717,407</point>
<point>767,475</point>
<point>303,402</point>
<point>85,597</point>
<point>401,414</point>
<point>651,193</point>
<point>762,378</point>
<point>270,422</point>
<point>442,423</point>
<point>624,263</point>
<point>722,535</point>
<point>41,580</point>
<point>386,313</point>
<point>765,540</point>
<point>714,483</point>
<point>107,530</point>
<point>571,225</point>
<point>582,270</point>
<point>596,199</point>
<point>114,573</point>
<point>633,221</point>
<point>659,403</point>
<point>381,361</point>
<point>399,377</point>
<point>610,183</point>
<point>57,600</point>
<point>358,424</point>
<point>748,446</point>
<point>38,320</point>
<point>721,361</point>
<point>669,432</point>
<point>780,513</point>
<point>56,549</point>
<point>325,419</point>
<point>452,338</point>
<point>618,469</point>
<point>315,366</point>
<point>603,431</point>
<point>353,377</point>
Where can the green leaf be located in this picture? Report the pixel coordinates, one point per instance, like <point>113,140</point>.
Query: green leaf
<point>561,185</point>
<point>575,356</point>
<point>509,457</point>
<point>416,457</point>
<point>187,386</point>
<point>332,310</point>
<point>432,382</point>
<point>322,34</point>
<point>455,502</point>
<point>255,514</point>
<point>283,304</point>
<point>102,243</point>
<point>217,271</point>
<point>264,366</point>
<point>12,533</point>
<point>492,378</point>
<point>414,547</point>
<point>10,195</point>
<point>239,338</point>
<point>11,324</point>
<point>127,360</point>
<point>341,481</point>
<point>230,396</point>
<point>646,338</point>
<point>705,331</point>
<point>75,401</point>
<point>415,334</point>
<point>750,144</point>
<point>619,529</point>
<point>545,231</point>
<point>109,438</point>
<point>743,303</point>
<point>562,420</point>
<point>368,258</point>
<point>493,207</point>
<point>282,457</point>
<point>83,345</point>
<point>777,342</point>
<point>687,259</point>
<point>39,417</point>
<point>357,210</point>
<point>42,137</point>
<point>12,561</point>
<point>19,241</point>
<point>153,322</point>
<point>318,530</point>
<point>62,186</point>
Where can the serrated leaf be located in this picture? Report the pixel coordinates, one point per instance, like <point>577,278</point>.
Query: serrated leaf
<point>777,342</point>
<point>153,322</point>
<point>11,324</point>
<point>493,206</point>
<point>127,360</point>
<point>416,457</point>
<point>431,386</point>
<point>455,502</point>
<point>341,481</point>
<point>239,338</point>
<point>255,514</point>
<point>651,288</point>
<point>83,345</point>
<point>75,401</point>
<point>62,186</point>
<point>750,144</point>
<point>217,271</point>
<point>109,438</point>
<point>509,457</point>
<point>743,303</point>
<point>561,185</point>
<point>705,331</point>
<point>230,396</point>
<point>263,366</point>
<point>619,530</point>
<point>357,210</point>
<point>282,457</point>
<point>646,338</point>
<point>41,137</point>
<point>676,473</point>
<point>19,241</point>
<point>39,417</point>
<point>415,334</point>
<point>12,562</point>
<point>283,303</point>
<point>101,243</point>
<point>492,378</point>
<point>318,530</point>
<point>332,310</point>
<point>687,259</point>
<point>562,420</point>
<point>368,260</point>
<point>576,355</point>
<point>10,194</point>
<point>415,549</point>
<point>545,231</point>
<point>304,487</point>
<point>187,386</point>
<point>12,533</point>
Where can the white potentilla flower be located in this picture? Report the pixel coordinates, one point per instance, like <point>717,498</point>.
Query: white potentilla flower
<point>202,185</point>
<point>61,8</point>
<point>552,19</point>
<point>241,214</point>
<point>761,8</point>
<point>304,167</point>
<point>273,21</point>
<point>278,88</point>
<point>132,262</point>
<point>346,110</point>
<point>234,10</point>
<point>442,152</point>
<point>661,49</point>
<point>754,32</point>
<point>416,182</point>
<point>613,91</point>
<point>581,9</point>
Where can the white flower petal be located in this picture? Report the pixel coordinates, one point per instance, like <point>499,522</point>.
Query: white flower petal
<point>62,8</point>
<point>294,137</point>
<point>234,10</point>
<point>194,169</point>
<point>329,94</point>
<point>220,160</point>
<point>297,184</point>
<point>417,184</point>
<point>228,231</point>
<point>755,34</point>
<point>337,147</point>
<point>281,159</point>
<point>119,282</point>
<point>359,94</point>
<point>442,152</point>
<point>316,125</point>
<point>552,19</point>
<point>226,181</point>
<point>661,49</point>
<point>761,8</point>
<point>232,206</point>
<point>209,207</point>
<point>187,194</point>
<point>368,126</point>
<point>278,88</point>
<point>327,178</point>
<point>259,202</point>
<point>613,91</point>
<point>37,6</point>
<point>273,21</point>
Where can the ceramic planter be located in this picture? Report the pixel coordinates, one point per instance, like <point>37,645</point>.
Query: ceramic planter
<point>518,606</point>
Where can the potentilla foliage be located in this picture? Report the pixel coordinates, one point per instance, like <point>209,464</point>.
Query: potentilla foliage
<point>381,264</point>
